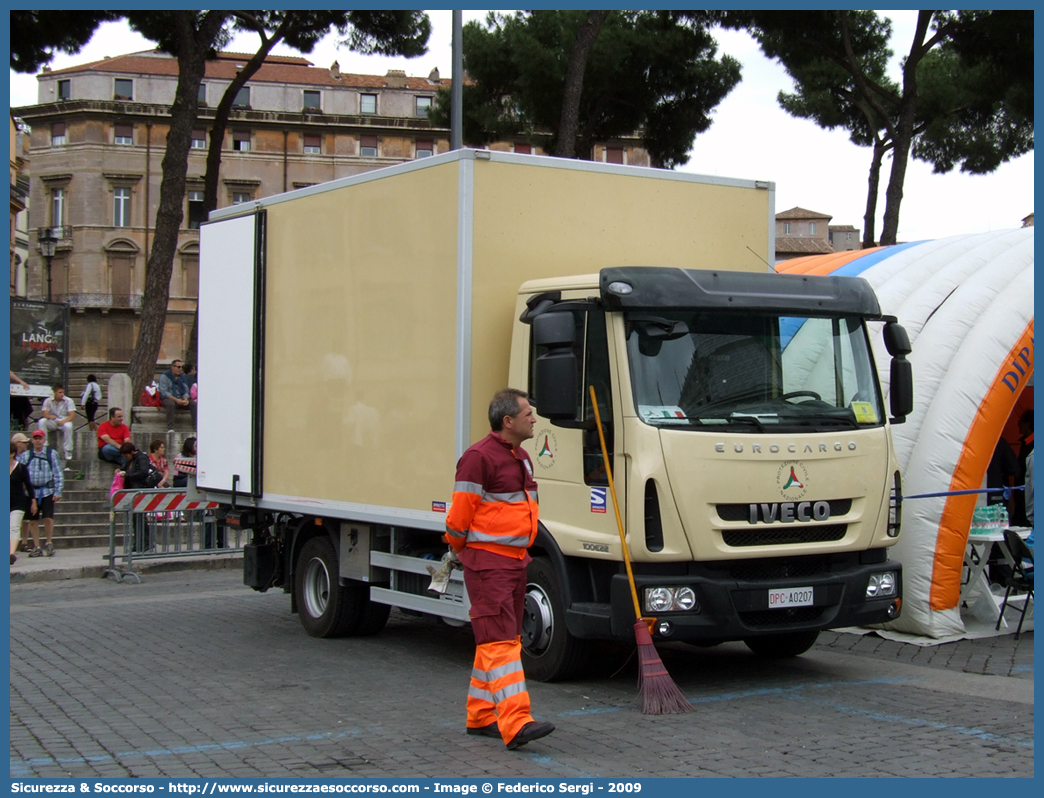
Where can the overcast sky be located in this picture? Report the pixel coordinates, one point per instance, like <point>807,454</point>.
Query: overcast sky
<point>751,137</point>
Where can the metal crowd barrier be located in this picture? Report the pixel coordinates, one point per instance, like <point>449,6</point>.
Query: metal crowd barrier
<point>164,524</point>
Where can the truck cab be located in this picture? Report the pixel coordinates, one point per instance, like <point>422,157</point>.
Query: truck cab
<point>750,446</point>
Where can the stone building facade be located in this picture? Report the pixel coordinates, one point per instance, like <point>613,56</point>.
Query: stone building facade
<point>801,232</point>
<point>97,145</point>
<point>19,199</point>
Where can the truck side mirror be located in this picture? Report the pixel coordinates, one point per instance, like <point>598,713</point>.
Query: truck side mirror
<point>555,373</point>
<point>897,342</point>
<point>900,392</point>
<point>896,339</point>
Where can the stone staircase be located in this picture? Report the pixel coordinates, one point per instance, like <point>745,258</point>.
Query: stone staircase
<point>81,518</point>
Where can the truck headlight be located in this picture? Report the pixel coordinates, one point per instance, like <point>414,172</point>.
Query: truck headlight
<point>881,585</point>
<point>670,599</point>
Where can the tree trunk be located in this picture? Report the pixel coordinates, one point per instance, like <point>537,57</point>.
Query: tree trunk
<point>220,125</point>
<point>900,158</point>
<point>574,83</point>
<point>904,131</point>
<point>211,179</point>
<point>873,185</point>
<point>193,44</point>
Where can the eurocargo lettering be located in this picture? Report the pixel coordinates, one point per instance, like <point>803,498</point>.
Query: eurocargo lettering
<point>353,333</point>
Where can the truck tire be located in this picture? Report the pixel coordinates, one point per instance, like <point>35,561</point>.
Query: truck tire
<point>549,652</point>
<point>790,644</point>
<point>326,607</point>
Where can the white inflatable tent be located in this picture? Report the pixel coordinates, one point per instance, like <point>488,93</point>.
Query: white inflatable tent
<point>967,303</point>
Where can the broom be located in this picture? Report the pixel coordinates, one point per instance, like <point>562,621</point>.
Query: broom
<point>657,692</point>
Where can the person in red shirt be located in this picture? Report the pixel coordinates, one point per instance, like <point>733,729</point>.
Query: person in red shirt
<point>112,434</point>
<point>491,525</point>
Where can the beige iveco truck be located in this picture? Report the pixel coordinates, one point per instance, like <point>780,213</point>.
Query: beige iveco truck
<point>352,334</point>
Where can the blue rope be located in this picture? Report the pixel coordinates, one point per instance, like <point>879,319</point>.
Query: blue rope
<point>1006,491</point>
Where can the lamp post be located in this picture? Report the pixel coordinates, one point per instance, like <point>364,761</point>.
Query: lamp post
<point>48,244</point>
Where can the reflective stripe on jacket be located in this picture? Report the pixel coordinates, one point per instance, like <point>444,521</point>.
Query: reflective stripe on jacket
<point>494,500</point>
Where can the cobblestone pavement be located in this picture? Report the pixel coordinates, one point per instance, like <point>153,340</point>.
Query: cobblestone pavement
<point>193,675</point>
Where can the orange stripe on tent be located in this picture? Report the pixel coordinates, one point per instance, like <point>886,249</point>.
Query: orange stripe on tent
<point>975,456</point>
<point>821,264</point>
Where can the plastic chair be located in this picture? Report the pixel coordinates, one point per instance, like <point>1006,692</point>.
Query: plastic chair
<point>1019,580</point>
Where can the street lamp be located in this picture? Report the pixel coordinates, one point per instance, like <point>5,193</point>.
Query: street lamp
<point>48,245</point>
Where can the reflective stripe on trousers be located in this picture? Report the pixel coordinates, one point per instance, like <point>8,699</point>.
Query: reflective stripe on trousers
<point>498,689</point>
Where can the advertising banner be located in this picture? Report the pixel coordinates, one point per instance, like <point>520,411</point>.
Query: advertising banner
<point>39,345</point>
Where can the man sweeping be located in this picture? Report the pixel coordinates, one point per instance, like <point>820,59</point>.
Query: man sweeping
<point>491,525</point>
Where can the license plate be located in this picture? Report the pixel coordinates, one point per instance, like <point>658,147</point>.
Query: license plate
<point>790,597</point>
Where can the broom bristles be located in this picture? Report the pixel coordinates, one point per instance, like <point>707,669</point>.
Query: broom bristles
<point>657,692</point>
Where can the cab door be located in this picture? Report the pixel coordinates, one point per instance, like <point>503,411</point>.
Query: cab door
<point>575,504</point>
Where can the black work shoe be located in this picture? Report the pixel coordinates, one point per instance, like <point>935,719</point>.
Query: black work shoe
<point>533,730</point>
<point>492,730</point>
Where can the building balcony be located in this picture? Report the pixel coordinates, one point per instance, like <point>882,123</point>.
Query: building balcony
<point>121,301</point>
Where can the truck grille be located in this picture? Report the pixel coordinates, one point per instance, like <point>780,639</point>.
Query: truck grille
<point>771,619</point>
<point>766,535</point>
<point>777,568</point>
<point>741,512</point>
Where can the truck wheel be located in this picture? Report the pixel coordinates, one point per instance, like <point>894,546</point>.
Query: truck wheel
<point>549,652</point>
<point>326,608</point>
<point>790,644</point>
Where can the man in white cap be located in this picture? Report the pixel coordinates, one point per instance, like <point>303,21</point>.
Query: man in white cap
<point>45,472</point>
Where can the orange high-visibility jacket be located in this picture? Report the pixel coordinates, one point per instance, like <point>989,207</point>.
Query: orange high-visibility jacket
<point>494,500</point>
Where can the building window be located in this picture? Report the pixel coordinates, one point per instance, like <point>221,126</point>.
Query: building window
<point>242,98</point>
<point>239,197</point>
<point>190,276</point>
<point>199,139</point>
<point>368,146</point>
<point>811,228</point>
<point>121,207</point>
<point>58,207</point>
<point>195,209</point>
<point>124,89</point>
<point>367,103</point>
<point>425,149</point>
<point>122,266</point>
<point>64,90</point>
<point>58,134</point>
<point>124,134</point>
<point>524,149</point>
<point>201,95</point>
<point>614,155</point>
<point>241,140</point>
<point>311,100</point>
<point>312,145</point>
<point>786,228</point>
<point>423,106</point>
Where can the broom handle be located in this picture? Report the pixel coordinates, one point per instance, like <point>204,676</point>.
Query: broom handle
<point>616,505</point>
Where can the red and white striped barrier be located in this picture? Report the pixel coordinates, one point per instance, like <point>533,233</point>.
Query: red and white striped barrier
<point>186,465</point>
<point>148,502</point>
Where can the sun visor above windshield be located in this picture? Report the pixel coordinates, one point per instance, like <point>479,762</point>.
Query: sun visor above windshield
<point>654,287</point>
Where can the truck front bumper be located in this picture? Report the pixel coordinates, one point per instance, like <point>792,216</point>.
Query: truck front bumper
<point>731,608</point>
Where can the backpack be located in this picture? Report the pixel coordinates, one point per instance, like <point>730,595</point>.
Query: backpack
<point>46,457</point>
<point>92,393</point>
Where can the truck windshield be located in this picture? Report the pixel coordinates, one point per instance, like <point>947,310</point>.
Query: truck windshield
<point>751,372</point>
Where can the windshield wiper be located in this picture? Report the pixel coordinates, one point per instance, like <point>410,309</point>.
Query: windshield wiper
<point>725,420</point>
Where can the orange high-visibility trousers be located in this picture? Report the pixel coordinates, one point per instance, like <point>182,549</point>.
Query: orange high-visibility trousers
<point>498,691</point>
<point>498,685</point>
